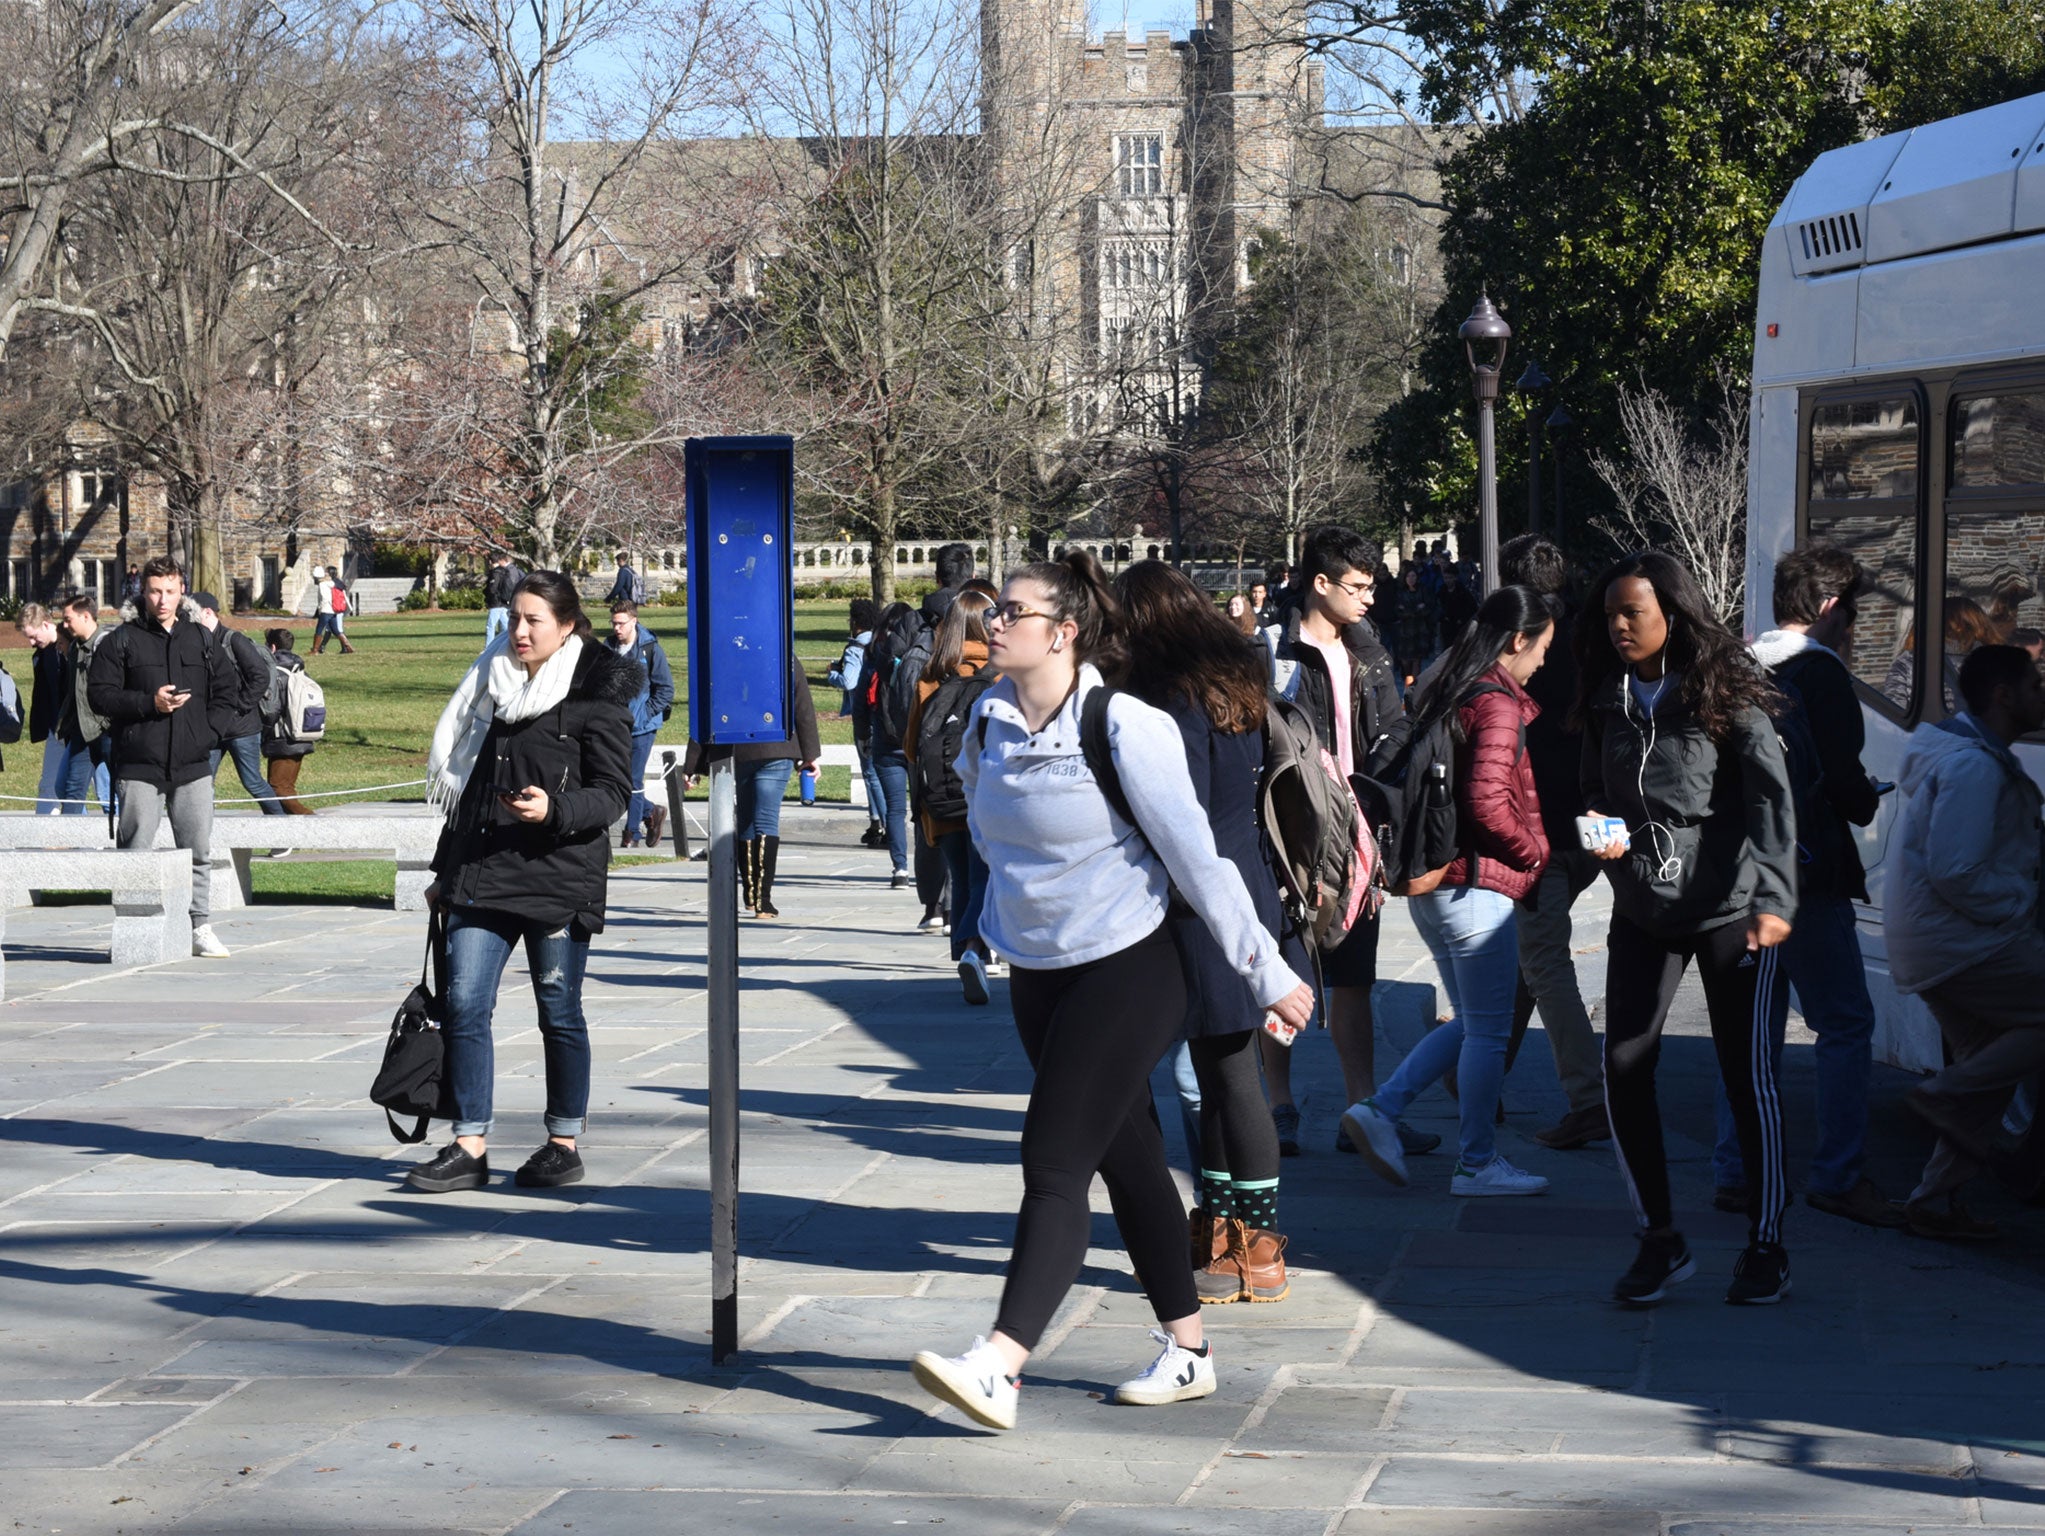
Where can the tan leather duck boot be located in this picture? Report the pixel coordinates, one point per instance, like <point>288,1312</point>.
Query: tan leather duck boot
<point>1223,1278</point>
<point>1263,1266</point>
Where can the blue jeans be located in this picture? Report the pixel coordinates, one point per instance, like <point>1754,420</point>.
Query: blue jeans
<point>495,623</point>
<point>1822,956</point>
<point>1187,1084</point>
<point>893,769</point>
<point>68,772</point>
<point>247,752</point>
<point>876,793</point>
<point>635,808</point>
<point>760,788</point>
<point>968,888</point>
<point>478,945</point>
<point>1475,945</point>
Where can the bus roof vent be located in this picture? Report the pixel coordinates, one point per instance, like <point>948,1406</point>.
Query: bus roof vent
<point>1825,217</point>
<point>1955,182</point>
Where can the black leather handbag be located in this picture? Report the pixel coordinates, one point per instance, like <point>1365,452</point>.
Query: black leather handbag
<point>409,1081</point>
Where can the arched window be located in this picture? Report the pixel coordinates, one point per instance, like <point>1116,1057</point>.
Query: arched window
<point>1153,552</point>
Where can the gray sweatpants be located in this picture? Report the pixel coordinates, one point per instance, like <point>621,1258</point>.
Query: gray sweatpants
<point>1993,1017</point>
<point>191,826</point>
<point>1549,966</point>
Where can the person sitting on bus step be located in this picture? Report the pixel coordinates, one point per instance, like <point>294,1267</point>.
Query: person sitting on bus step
<point>1962,921</point>
<point>1815,605</point>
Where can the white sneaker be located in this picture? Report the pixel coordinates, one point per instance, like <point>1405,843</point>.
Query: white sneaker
<point>1174,1376</point>
<point>930,922</point>
<point>206,944</point>
<point>974,1382</point>
<point>1375,1135</point>
<point>1497,1177</point>
<point>973,977</point>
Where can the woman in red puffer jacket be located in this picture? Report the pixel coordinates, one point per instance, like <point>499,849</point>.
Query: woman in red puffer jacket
<point>1467,920</point>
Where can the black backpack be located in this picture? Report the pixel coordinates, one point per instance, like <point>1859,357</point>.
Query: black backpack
<point>940,733</point>
<point>890,720</point>
<point>1410,801</point>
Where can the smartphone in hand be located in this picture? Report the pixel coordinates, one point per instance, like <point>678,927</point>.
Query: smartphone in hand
<point>1278,1029</point>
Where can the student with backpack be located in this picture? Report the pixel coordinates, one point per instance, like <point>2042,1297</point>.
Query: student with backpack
<point>1687,799</point>
<point>1326,658</point>
<point>1822,733</point>
<point>1191,661</point>
<point>1076,901</point>
<point>1468,752</point>
<point>330,606</point>
<point>294,720</point>
<point>875,713</point>
<point>953,680</point>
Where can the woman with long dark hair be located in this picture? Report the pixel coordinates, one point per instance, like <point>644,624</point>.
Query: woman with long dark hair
<point>1076,901</point>
<point>531,763</point>
<point>1467,920</point>
<point>1679,747</point>
<point>1198,667</point>
<point>952,683</point>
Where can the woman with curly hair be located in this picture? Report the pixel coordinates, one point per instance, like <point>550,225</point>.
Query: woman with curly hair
<point>1679,748</point>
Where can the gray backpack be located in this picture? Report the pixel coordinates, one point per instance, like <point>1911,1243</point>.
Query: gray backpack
<point>1315,829</point>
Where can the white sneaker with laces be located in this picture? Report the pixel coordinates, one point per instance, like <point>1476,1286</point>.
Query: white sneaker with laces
<point>973,1382</point>
<point>1176,1375</point>
<point>973,977</point>
<point>1375,1134</point>
<point>1497,1177</point>
<point>206,944</point>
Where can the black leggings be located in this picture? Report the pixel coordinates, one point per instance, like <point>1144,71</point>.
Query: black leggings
<point>1747,995</point>
<point>1093,1032</point>
<point>1236,1134</point>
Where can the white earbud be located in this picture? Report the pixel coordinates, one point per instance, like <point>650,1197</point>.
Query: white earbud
<point>1057,645</point>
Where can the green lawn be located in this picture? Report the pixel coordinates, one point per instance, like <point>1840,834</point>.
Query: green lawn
<point>382,701</point>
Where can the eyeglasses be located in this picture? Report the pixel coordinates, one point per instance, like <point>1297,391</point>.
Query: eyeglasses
<point>1358,588</point>
<point>1007,615</point>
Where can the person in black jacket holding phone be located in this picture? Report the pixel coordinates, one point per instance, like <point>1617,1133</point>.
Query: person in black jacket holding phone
<point>531,762</point>
<point>169,694</point>
<point>1679,745</point>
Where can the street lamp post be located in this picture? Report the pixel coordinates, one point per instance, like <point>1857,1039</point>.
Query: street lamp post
<point>1486,328</point>
<point>1559,421</point>
<point>1531,384</point>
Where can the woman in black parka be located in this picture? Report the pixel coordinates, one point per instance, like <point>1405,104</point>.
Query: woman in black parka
<point>1188,660</point>
<point>531,762</point>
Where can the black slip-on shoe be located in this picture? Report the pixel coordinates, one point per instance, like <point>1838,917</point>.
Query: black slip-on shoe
<point>450,1169</point>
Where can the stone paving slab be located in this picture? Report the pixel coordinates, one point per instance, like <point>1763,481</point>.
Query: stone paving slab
<point>220,1305</point>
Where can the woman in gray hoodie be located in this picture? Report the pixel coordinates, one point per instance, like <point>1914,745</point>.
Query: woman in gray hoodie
<point>1076,899</point>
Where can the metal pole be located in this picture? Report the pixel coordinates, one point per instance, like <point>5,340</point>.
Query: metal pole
<point>1487,485</point>
<point>671,778</point>
<point>723,989</point>
<point>1533,469</point>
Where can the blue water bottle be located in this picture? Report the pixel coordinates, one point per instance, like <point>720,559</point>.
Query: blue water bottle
<point>809,786</point>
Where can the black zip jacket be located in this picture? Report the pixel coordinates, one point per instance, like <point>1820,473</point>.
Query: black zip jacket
<point>1831,864</point>
<point>580,752</point>
<point>1722,847</point>
<point>252,671</point>
<point>1299,672</point>
<point>50,710</point>
<point>137,659</point>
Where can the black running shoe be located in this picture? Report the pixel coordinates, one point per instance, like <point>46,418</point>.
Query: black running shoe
<point>1760,1278</point>
<point>550,1167</point>
<point>450,1169</point>
<point>1664,1258</point>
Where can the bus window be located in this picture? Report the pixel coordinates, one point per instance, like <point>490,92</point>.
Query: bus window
<point>1864,458</point>
<point>1995,518</point>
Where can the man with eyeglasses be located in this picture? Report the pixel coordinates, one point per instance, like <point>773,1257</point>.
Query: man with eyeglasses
<point>1326,657</point>
<point>1815,607</point>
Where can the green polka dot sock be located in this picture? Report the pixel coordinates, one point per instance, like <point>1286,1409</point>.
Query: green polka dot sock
<point>1217,1194</point>
<point>1256,1204</point>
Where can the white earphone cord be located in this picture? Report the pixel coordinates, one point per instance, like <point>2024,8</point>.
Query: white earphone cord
<point>1670,867</point>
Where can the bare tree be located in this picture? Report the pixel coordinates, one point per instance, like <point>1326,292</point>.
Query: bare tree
<point>564,217</point>
<point>1682,485</point>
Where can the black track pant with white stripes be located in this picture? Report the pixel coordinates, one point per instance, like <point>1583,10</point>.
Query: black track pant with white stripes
<point>1747,995</point>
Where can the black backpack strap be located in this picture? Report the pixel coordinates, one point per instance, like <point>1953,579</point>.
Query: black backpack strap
<point>1099,752</point>
<point>418,1131</point>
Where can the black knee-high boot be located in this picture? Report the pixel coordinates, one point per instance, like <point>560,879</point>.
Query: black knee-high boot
<point>769,856</point>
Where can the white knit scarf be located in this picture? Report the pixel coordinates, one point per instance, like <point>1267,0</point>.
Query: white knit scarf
<point>497,687</point>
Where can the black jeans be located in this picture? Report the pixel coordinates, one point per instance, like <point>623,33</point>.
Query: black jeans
<point>1747,994</point>
<point>1093,1032</point>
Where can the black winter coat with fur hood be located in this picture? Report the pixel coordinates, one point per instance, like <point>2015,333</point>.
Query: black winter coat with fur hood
<point>580,752</point>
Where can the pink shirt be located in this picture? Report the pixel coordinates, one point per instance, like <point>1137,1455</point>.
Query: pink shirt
<point>1336,655</point>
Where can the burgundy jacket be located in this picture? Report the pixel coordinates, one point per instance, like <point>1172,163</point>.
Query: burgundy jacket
<point>1500,811</point>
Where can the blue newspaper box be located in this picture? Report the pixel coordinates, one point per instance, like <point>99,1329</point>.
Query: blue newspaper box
<point>741,519</point>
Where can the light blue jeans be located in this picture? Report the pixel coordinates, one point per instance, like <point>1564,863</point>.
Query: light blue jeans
<point>495,623</point>
<point>1475,945</point>
<point>760,787</point>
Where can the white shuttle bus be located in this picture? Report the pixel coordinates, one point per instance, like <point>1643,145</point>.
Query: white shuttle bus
<point>1899,412</point>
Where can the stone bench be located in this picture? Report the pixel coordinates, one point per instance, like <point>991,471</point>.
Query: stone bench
<point>152,893</point>
<point>409,835</point>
